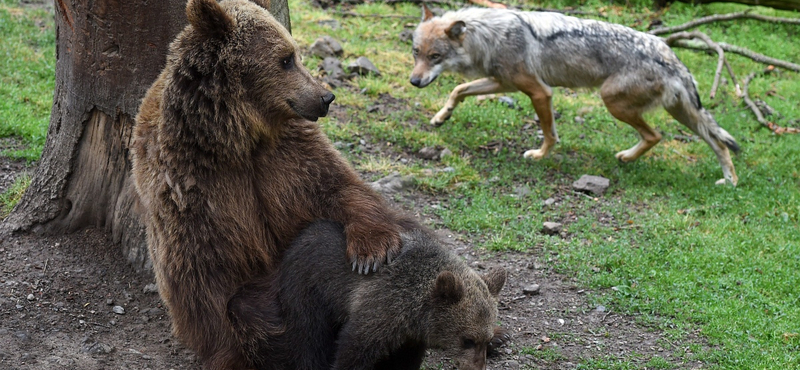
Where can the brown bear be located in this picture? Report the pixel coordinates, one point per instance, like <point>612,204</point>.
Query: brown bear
<point>230,167</point>
<point>314,313</point>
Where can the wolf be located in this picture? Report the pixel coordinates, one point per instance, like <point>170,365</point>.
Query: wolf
<point>314,313</point>
<point>532,51</point>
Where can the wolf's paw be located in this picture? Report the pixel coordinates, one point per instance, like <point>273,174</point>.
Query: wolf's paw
<point>442,116</point>
<point>535,154</point>
<point>726,181</point>
<point>625,156</point>
<point>370,247</point>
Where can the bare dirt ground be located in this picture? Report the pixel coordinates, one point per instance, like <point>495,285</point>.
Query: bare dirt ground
<point>72,302</point>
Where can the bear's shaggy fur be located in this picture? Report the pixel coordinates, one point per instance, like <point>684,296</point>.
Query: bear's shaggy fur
<point>316,314</point>
<point>230,168</point>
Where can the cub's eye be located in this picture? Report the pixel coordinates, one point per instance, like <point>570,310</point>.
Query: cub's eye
<point>467,343</point>
<point>288,62</point>
<point>434,57</point>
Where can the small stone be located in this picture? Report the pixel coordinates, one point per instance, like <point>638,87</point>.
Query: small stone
<point>150,288</point>
<point>109,302</point>
<point>333,68</point>
<point>119,310</point>
<point>445,153</point>
<point>406,36</point>
<point>596,185</point>
<point>428,152</point>
<point>326,47</point>
<point>579,120</point>
<point>363,66</point>
<point>549,202</point>
<point>522,191</point>
<point>393,183</point>
<point>532,289</point>
<point>551,228</point>
<point>31,297</point>
<point>508,101</point>
<point>601,308</point>
<point>448,170</point>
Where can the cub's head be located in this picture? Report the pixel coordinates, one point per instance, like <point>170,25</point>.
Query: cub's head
<point>235,56</point>
<point>466,315</point>
<point>437,47</point>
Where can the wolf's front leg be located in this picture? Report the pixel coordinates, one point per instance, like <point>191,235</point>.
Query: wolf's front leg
<point>541,97</point>
<point>482,86</point>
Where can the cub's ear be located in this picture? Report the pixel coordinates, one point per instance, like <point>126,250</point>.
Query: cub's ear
<point>495,280</point>
<point>427,14</point>
<point>449,288</point>
<point>208,18</point>
<point>456,30</point>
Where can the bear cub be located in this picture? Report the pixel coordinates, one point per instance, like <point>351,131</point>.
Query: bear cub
<point>315,313</point>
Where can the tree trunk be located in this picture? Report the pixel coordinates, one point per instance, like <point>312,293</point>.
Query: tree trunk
<point>776,4</point>
<point>108,54</point>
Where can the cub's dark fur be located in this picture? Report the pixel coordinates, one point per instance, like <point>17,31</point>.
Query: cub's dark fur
<point>318,314</point>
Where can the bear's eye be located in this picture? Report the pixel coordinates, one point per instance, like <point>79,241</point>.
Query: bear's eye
<point>288,62</point>
<point>467,343</point>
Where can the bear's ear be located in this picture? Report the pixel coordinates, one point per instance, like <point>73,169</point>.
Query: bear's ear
<point>495,280</point>
<point>449,288</point>
<point>208,18</point>
<point>427,14</point>
<point>456,30</point>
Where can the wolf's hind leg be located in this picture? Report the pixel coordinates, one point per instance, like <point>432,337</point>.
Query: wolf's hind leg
<point>478,87</point>
<point>627,103</point>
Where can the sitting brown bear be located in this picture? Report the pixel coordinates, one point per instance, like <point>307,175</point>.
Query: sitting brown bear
<point>314,313</point>
<point>230,166</point>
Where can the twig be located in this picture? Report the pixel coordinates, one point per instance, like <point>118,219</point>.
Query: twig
<point>733,79</point>
<point>45,265</point>
<point>761,58</point>
<point>778,130</point>
<point>352,14</point>
<point>722,17</point>
<point>702,36</point>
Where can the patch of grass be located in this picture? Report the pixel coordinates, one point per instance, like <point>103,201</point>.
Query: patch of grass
<point>12,195</point>
<point>670,243</point>
<point>27,75</point>
<point>544,354</point>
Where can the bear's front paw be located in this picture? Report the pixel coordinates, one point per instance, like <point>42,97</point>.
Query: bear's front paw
<point>370,248</point>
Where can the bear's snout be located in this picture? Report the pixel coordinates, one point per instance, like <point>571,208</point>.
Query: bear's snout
<point>326,102</point>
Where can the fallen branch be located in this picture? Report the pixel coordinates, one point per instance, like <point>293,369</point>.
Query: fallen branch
<point>488,4</point>
<point>778,130</point>
<point>711,44</point>
<point>722,17</point>
<point>761,58</point>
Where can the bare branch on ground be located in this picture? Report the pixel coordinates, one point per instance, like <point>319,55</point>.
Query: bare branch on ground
<point>778,130</point>
<point>722,17</point>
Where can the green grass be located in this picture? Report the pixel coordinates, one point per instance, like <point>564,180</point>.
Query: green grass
<point>675,248</point>
<point>12,195</point>
<point>27,76</point>
<point>671,244</point>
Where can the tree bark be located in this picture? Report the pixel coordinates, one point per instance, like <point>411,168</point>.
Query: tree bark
<point>108,54</point>
<point>776,4</point>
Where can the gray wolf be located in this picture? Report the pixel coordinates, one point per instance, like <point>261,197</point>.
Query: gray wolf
<point>319,315</point>
<point>230,167</point>
<point>532,51</point>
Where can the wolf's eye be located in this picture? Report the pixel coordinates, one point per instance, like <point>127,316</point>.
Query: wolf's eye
<point>416,51</point>
<point>288,62</point>
<point>434,57</point>
<point>467,343</point>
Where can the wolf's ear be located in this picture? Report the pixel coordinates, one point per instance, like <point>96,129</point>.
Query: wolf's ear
<point>449,288</point>
<point>426,13</point>
<point>495,280</point>
<point>208,18</point>
<point>456,30</point>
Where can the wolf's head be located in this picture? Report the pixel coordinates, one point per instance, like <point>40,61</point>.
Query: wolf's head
<point>436,45</point>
